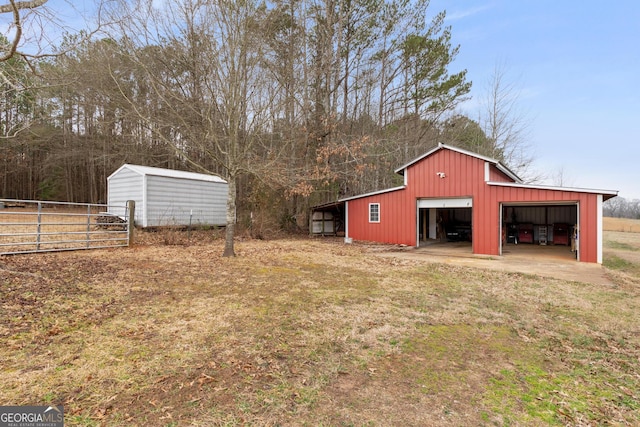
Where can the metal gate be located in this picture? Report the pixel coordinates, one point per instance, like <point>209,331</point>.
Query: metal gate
<point>31,226</point>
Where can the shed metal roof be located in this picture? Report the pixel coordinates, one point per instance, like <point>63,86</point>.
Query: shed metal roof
<point>607,194</point>
<point>373,193</point>
<point>171,173</point>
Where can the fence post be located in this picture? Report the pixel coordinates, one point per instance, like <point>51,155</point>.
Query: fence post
<point>131,209</point>
<point>39,226</point>
<point>88,225</point>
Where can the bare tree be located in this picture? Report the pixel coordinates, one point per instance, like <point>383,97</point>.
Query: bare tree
<point>202,66</point>
<point>294,102</point>
<point>506,125</point>
<point>561,178</point>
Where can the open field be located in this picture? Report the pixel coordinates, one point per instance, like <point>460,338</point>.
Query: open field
<point>621,224</point>
<point>315,332</point>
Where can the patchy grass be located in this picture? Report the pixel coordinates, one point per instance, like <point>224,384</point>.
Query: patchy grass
<point>613,244</point>
<point>622,256</point>
<point>615,262</point>
<point>313,332</point>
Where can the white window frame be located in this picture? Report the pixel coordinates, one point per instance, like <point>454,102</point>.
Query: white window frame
<point>371,212</point>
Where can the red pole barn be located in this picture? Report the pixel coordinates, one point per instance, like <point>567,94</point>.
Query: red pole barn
<point>454,194</point>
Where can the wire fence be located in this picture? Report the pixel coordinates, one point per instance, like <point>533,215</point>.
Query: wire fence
<point>32,226</point>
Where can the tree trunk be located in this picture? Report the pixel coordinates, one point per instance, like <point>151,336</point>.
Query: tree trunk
<point>229,250</point>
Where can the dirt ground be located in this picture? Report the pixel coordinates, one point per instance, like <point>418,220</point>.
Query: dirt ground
<point>547,261</point>
<point>308,332</point>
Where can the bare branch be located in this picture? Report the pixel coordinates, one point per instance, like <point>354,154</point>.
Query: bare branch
<point>507,126</point>
<point>14,6</point>
<point>41,18</point>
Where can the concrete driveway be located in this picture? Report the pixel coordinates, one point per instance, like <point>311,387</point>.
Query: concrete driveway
<point>545,261</point>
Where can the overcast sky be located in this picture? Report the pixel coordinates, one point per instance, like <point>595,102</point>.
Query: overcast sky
<point>577,65</point>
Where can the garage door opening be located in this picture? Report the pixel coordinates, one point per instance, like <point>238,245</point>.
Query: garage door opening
<point>445,221</point>
<point>545,230</point>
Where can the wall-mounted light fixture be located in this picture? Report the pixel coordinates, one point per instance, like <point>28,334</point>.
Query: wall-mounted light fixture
<point>441,174</point>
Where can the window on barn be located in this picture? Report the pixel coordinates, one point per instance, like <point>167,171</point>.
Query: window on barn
<point>374,212</point>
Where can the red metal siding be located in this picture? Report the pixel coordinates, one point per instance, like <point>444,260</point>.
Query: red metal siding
<point>396,224</point>
<point>462,174</point>
<point>496,175</point>
<point>463,177</point>
<point>589,229</point>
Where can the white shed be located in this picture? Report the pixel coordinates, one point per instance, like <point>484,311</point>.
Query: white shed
<point>166,197</point>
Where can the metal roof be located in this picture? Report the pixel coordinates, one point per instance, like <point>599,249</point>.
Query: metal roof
<point>373,193</point>
<point>606,193</point>
<point>170,173</point>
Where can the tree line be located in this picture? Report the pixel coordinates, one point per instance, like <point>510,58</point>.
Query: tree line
<point>294,102</point>
<point>619,207</point>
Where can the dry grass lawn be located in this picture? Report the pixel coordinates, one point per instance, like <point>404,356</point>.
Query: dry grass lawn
<point>622,224</point>
<point>315,332</point>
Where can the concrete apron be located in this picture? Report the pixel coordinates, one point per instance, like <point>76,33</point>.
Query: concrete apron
<point>545,261</point>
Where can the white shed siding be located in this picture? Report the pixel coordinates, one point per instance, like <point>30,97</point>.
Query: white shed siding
<point>167,197</point>
<point>172,201</point>
<point>124,185</point>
